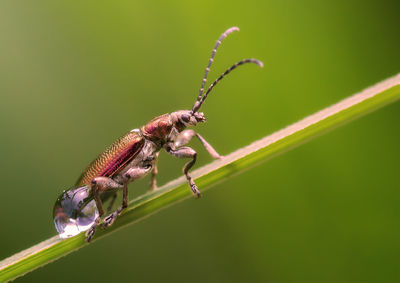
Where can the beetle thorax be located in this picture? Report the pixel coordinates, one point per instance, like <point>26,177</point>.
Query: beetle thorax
<point>158,129</point>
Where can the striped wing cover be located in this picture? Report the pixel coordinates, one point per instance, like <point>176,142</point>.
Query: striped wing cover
<point>113,159</point>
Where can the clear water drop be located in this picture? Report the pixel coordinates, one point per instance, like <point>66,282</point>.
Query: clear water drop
<point>74,211</point>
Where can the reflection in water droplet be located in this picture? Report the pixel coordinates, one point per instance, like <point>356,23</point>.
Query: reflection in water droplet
<point>74,211</point>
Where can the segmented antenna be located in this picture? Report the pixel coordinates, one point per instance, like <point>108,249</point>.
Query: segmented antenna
<point>255,61</point>
<point>203,82</point>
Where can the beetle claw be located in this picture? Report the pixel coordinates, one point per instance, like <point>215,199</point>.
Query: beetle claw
<point>90,233</point>
<point>195,191</point>
<point>108,221</point>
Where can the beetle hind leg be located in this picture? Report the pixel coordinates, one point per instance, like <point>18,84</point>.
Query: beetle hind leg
<point>90,233</point>
<point>99,185</point>
<point>153,181</point>
<point>111,204</point>
<point>131,175</point>
<point>109,220</point>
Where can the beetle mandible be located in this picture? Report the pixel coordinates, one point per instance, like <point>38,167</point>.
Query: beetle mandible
<point>133,156</point>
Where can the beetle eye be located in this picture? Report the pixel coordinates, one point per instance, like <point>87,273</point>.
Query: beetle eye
<point>186,118</point>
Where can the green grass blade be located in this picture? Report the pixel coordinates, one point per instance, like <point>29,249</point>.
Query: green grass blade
<point>312,126</point>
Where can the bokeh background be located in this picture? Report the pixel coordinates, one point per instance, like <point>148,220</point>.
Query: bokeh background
<point>75,76</point>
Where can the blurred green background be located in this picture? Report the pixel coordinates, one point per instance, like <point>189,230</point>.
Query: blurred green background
<point>75,76</point>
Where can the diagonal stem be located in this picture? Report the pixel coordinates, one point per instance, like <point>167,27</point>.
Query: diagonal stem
<point>243,159</point>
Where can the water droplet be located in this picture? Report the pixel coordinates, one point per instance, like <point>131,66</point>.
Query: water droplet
<point>74,211</point>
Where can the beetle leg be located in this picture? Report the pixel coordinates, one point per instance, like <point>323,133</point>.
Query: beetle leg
<point>131,175</point>
<point>100,184</point>
<point>92,229</point>
<point>153,180</point>
<point>186,152</point>
<point>185,136</point>
<point>111,218</point>
<point>111,204</point>
<point>209,148</point>
<point>154,172</point>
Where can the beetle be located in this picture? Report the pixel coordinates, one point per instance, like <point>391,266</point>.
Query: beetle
<point>133,156</point>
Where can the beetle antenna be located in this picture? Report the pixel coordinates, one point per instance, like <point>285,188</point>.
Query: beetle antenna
<point>210,61</point>
<point>197,106</point>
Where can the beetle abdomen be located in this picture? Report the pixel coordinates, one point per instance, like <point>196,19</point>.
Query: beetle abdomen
<point>113,159</point>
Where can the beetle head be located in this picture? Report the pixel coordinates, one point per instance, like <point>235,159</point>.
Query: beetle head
<point>187,118</point>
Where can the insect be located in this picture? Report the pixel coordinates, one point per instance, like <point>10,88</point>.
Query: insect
<point>133,156</point>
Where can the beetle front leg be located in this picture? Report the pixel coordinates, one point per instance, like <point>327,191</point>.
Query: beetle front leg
<point>186,152</point>
<point>185,136</point>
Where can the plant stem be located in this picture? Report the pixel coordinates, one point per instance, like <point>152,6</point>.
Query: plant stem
<point>243,159</point>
